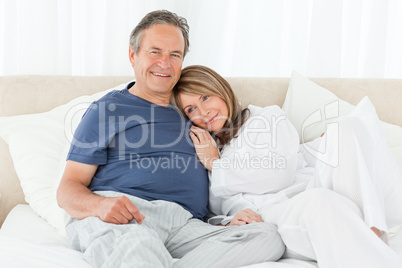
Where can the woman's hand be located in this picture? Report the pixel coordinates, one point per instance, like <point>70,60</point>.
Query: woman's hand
<point>205,146</point>
<point>245,216</point>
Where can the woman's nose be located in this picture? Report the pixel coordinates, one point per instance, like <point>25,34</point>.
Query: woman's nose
<point>204,111</point>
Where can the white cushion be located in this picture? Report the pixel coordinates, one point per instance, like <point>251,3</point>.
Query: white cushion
<point>311,107</point>
<point>38,146</point>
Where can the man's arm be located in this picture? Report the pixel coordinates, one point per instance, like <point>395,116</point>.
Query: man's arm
<point>74,197</point>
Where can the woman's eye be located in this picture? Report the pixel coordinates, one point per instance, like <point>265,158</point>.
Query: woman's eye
<point>189,110</point>
<point>205,97</point>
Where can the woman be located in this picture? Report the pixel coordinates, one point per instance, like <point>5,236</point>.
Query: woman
<point>323,211</point>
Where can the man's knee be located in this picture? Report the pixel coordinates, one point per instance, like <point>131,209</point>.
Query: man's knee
<point>262,237</point>
<point>272,244</point>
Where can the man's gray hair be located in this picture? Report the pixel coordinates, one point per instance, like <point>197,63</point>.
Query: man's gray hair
<point>159,17</point>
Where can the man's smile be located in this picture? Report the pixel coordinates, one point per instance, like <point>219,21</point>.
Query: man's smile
<point>160,74</point>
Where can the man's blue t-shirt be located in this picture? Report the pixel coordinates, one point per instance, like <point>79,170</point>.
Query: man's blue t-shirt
<point>142,149</point>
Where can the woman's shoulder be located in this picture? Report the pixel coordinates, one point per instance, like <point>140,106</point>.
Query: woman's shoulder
<point>267,110</point>
<point>262,116</point>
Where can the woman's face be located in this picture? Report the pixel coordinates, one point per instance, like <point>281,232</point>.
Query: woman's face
<point>206,111</point>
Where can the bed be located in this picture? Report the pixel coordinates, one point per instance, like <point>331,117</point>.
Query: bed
<point>38,115</point>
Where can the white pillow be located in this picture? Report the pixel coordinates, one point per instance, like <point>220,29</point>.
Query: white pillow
<point>38,145</point>
<point>311,107</point>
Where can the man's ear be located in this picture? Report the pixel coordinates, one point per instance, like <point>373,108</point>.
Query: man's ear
<point>131,56</point>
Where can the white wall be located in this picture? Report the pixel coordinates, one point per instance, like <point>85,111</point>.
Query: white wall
<point>319,38</point>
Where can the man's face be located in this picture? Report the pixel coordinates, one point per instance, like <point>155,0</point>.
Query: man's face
<point>157,64</point>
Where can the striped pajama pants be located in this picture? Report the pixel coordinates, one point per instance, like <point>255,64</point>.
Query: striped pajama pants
<point>168,232</point>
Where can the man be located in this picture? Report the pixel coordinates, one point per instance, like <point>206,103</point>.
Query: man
<point>133,183</point>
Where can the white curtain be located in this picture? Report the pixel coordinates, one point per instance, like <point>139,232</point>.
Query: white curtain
<point>319,38</point>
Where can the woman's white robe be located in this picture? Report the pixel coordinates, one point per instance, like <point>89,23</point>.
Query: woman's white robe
<point>324,195</point>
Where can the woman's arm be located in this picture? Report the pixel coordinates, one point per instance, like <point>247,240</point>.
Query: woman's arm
<point>262,159</point>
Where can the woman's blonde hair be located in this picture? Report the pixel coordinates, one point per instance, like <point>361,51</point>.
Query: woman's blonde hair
<point>201,80</point>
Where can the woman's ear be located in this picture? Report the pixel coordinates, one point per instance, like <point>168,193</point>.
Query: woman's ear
<point>131,55</point>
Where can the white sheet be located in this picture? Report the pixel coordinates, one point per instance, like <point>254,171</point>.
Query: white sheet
<point>26,240</point>
<point>16,252</point>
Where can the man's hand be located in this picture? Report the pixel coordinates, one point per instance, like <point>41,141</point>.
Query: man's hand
<point>119,210</point>
<point>77,200</point>
<point>245,216</point>
<point>205,146</point>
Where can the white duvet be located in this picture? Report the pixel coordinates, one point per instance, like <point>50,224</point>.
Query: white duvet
<point>26,240</point>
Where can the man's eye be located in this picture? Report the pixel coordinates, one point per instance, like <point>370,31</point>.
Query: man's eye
<point>154,52</point>
<point>176,55</point>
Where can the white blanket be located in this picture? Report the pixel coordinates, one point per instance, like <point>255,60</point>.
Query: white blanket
<point>26,240</point>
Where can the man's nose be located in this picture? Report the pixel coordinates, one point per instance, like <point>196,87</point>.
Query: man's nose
<point>164,61</point>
